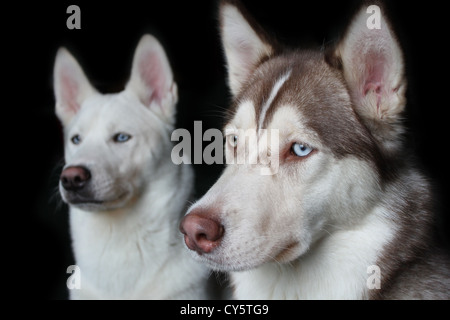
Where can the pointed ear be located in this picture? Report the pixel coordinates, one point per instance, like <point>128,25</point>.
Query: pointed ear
<point>372,63</point>
<point>152,79</point>
<point>71,86</point>
<point>244,42</point>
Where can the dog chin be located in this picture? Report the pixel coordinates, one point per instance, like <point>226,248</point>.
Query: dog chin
<point>94,204</point>
<point>217,262</point>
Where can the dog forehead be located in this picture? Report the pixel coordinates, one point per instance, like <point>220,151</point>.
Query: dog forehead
<point>108,112</point>
<point>302,79</point>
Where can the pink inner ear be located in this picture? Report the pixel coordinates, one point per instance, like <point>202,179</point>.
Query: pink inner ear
<point>152,74</point>
<point>375,65</point>
<point>69,91</point>
<point>371,86</point>
<point>375,87</point>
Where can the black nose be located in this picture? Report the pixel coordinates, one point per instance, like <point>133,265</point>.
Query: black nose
<point>75,178</point>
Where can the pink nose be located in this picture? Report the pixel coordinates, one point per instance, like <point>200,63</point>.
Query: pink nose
<point>75,178</point>
<point>201,233</point>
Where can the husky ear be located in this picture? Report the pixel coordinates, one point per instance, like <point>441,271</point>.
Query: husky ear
<point>70,84</point>
<point>244,43</point>
<point>152,79</point>
<point>373,67</point>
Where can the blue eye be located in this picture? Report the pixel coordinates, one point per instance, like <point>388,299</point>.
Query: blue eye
<point>301,150</point>
<point>121,137</point>
<point>76,139</point>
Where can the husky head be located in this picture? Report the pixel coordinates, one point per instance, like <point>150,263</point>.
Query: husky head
<point>337,116</point>
<point>114,141</point>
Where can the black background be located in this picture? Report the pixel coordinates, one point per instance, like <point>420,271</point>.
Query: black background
<point>37,237</point>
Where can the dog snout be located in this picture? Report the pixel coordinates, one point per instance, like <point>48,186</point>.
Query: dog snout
<point>75,178</point>
<point>201,233</point>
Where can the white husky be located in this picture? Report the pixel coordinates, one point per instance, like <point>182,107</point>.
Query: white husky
<point>347,216</point>
<point>125,195</point>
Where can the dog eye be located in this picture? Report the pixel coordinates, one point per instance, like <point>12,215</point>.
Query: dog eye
<point>233,139</point>
<point>121,137</point>
<point>301,150</point>
<point>76,139</point>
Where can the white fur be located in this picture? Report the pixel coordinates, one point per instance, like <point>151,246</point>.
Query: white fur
<point>125,236</point>
<point>272,96</point>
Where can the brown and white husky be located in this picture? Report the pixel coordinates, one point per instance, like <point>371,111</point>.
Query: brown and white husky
<point>345,215</point>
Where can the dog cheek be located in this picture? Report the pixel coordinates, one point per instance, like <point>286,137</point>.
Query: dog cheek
<point>134,176</point>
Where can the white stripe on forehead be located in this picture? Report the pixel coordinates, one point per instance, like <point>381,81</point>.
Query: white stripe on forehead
<point>272,96</point>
